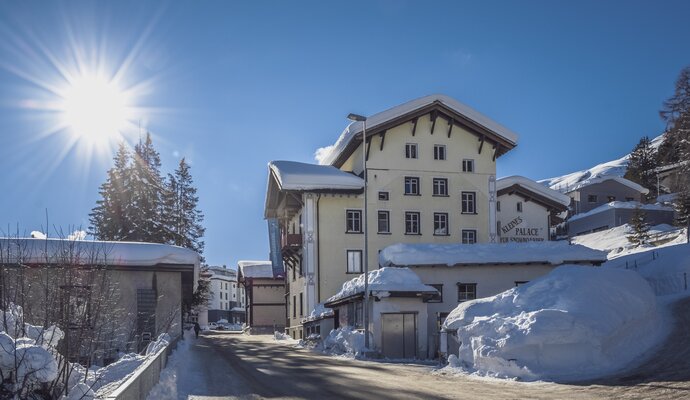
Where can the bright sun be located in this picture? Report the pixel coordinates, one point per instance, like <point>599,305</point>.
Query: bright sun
<point>95,109</point>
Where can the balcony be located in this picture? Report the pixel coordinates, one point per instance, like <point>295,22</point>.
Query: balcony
<point>291,240</point>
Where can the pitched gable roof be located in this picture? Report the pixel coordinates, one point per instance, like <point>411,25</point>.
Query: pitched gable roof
<point>533,190</point>
<point>446,107</point>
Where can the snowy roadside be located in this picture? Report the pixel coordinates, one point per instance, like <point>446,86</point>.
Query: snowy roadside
<point>167,386</point>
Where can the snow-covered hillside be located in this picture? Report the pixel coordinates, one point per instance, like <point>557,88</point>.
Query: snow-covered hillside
<point>615,242</point>
<point>611,168</point>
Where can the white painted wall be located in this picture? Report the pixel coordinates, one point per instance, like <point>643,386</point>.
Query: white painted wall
<point>530,225</point>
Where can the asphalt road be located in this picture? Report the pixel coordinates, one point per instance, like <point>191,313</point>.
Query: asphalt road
<point>257,367</point>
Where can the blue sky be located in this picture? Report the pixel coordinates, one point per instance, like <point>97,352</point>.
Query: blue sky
<point>233,85</point>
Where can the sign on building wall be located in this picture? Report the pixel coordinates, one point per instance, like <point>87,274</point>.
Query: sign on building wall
<point>274,244</point>
<point>519,230</point>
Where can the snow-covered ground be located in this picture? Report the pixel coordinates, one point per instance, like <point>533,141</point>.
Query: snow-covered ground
<point>614,241</point>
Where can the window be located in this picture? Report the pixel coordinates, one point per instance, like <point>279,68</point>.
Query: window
<point>294,307</point>
<point>467,291</point>
<point>301,304</point>
<point>498,206</point>
<point>383,196</point>
<point>412,223</point>
<point>411,185</point>
<point>469,236</point>
<point>440,187</point>
<point>469,203</point>
<point>438,298</point>
<point>354,221</point>
<point>354,261</point>
<point>439,152</point>
<point>519,206</point>
<point>611,198</point>
<point>592,198</point>
<point>411,150</point>
<point>467,165</point>
<point>384,222</point>
<point>441,224</point>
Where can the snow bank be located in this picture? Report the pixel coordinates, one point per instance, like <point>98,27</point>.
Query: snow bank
<point>345,340</point>
<point>574,323</point>
<point>451,254</point>
<point>622,205</point>
<point>615,240</point>
<point>383,281</point>
<point>292,175</point>
<point>667,269</point>
<point>328,155</point>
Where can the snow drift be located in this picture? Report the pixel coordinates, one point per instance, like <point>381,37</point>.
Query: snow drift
<point>574,323</point>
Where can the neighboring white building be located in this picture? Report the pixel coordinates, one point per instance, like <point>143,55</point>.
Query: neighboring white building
<point>431,166</point>
<point>227,299</point>
<point>526,210</point>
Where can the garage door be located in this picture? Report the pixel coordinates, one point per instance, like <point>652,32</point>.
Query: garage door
<point>399,335</point>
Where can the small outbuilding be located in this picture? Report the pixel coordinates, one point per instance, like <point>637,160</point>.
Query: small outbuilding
<point>264,290</point>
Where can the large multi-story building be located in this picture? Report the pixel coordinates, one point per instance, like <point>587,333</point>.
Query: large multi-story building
<point>431,166</point>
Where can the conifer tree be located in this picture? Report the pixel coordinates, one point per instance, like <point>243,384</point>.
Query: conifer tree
<point>642,164</point>
<point>640,228</point>
<point>147,188</point>
<point>109,219</point>
<point>183,217</point>
<point>682,206</point>
<point>676,114</point>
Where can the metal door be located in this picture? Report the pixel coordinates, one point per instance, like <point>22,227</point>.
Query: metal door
<point>399,335</point>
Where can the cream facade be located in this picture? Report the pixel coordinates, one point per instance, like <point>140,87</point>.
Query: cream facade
<point>431,178</point>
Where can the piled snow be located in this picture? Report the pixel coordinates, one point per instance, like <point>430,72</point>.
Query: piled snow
<point>255,269</point>
<point>621,205</point>
<point>292,175</point>
<point>319,312</point>
<point>666,269</point>
<point>615,240</point>
<point>39,251</point>
<point>383,281</point>
<point>574,323</point>
<point>452,254</point>
<point>280,336</point>
<point>617,168</point>
<point>345,340</point>
<point>328,155</point>
<point>533,186</point>
<point>38,235</point>
<point>178,362</point>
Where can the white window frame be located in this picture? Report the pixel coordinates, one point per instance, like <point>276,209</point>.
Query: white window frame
<point>388,221</point>
<point>447,218</point>
<point>470,202</point>
<point>440,152</point>
<point>467,294</point>
<point>354,259</point>
<point>354,220</point>
<point>415,185</point>
<point>518,206</point>
<point>418,222</point>
<point>411,150</point>
<point>468,165</point>
<point>436,183</point>
<point>473,232</point>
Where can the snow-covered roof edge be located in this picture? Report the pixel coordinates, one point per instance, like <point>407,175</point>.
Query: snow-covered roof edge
<point>533,186</point>
<point>383,282</point>
<point>95,252</point>
<point>255,269</point>
<point>328,155</point>
<point>293,175</point>
<point>601,179</point>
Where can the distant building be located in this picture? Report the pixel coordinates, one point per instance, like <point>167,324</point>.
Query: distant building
<point>264,296</point>
<point>592,193</point>
<point>670,178</point>
<point>526,210</point>
<point>617,213</point>
<point>227,296</point>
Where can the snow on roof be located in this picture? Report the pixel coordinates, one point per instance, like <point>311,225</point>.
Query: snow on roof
<point>533,187</point>
<point>616,167</point>
<point>452,254</point>
<point>383,281</point>
<point>328,155</point>
<point>601,179</point>
<point>255,269</point>
<point>621,205</point>
<point>319,312</point>
<point>292,175</point>
<point>94,252</point>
